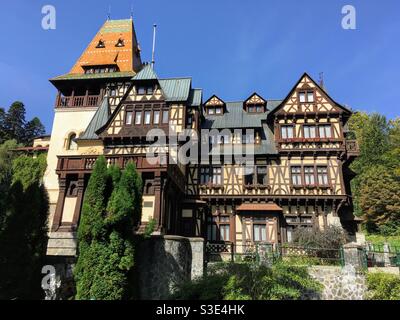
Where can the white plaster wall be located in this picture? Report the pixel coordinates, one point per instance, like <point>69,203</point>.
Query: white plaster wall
<point>65,122</point>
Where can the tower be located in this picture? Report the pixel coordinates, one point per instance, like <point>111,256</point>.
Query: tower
<point>87,93</point>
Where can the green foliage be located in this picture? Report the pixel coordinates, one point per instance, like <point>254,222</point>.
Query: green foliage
<point>23,238</point>
<point>6,158</point>
<point>383,286</point>
<point>376,192</point>
<point>246,281</point>
<point>378,239</point>
<point>149,229</point>
<point>380,200</point>
<point>331,237</point>
<point>14,126</point>
<point>106,245</point>
<point>28,170</point>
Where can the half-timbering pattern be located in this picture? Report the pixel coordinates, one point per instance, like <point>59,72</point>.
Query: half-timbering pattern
<point>110,104</point>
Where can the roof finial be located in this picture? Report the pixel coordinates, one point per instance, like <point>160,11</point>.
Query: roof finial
<point>131,11</point>
<point>154,45</point>
<point>321,80</point>
<point>109,12</point>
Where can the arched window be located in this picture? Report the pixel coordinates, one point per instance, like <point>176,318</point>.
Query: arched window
<point>71,142</point>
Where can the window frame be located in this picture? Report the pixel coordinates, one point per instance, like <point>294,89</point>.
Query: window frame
<point>284,128</point>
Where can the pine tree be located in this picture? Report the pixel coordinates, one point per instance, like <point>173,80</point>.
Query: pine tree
<point>14,122</point>
<point>106,254</point>
<point>33,129</point>
<point>91,229</point>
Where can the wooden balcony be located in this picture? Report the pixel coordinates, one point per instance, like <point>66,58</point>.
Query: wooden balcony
<point>85,163</point>
<point>352,148</point>
<point>77,101</point>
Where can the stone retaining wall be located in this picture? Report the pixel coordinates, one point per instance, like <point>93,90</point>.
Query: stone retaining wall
<point>166,261</point>
<point>340,283</point>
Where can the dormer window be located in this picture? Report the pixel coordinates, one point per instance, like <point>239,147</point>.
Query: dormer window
<point>120,43</point>
<point>100,44</point>
<point>214,106</point>
<point>143,90</point>
<point>255,104</point>
<point>306,96</point>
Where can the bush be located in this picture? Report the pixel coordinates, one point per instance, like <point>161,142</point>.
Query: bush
<point>331,237</point>
<point>246,281</point>
<point>383,286</point>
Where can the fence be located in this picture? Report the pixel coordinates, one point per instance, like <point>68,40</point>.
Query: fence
<point>267,252</point>
<point>382,255</point>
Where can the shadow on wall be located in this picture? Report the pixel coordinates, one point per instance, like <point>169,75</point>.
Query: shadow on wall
<point>163,262</point>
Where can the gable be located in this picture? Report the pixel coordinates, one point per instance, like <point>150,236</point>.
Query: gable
<point>307,97</point>
<point>255,99</point>
<point>214,101</point>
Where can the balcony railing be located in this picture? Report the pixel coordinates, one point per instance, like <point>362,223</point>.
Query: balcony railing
<point>352,147</point>
<point>77,101</point>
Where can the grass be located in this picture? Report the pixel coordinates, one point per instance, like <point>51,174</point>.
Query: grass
<point>380,240</point>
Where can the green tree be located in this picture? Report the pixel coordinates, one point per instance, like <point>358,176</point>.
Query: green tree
<point>6,158</point>
<point>33,129</point>
<point>29,170</point>
<point>106,246</point>
<point>380,198</point>
<point>14,122</point>
<point>23,238</point>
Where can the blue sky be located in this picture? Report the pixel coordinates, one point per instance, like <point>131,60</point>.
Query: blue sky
<point>230,47</point>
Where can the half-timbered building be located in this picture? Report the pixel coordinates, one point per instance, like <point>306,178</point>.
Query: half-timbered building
<point>110,103</point>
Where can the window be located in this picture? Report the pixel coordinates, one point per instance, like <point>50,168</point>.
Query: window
<point>322,173</point>
<point>287,132</point>
<point>204,175</point>
<point>224,230</point>
<point>310,96</point>
<point>218,110</point>
<point>212,229</point>
<point>309,175</point>
<point>142,90</point>
<point>310,132</point>
<point>156,117</point>
<point>128,117</point>
<point>302,97</point>
<point>189,121</point>
<point>100,44</point>
<point>218,228</point>
<point>147,117</point>
<point>113,92</point>
<point>296,175</point>
<point>260,108</point>
<point>259,232</point>
<point>262,175</point>
<point>71,142</point>
<point>138,117</point>
<point>255,108</point>
<point>325,131</point>
<point>165,116</point>
<point>120,43</point>
<point>217,175</point>
<point>248,179</point>
<point>211,111</point>
<point>306,96</point>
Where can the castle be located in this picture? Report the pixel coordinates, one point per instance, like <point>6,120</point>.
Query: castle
<point>270,165</point>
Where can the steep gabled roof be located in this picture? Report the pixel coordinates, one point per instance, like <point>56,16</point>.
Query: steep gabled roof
<point>176,89</point>
<point>272,111</point>
<point>99,119</point>
<point>195,97</point>
<point>147,73</point>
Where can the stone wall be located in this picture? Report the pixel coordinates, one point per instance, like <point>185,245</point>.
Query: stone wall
<point>340,283</point>
<point>166,261</point>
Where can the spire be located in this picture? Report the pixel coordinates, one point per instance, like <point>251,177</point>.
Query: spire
<point>321,80</point>
<point>154,46</point>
